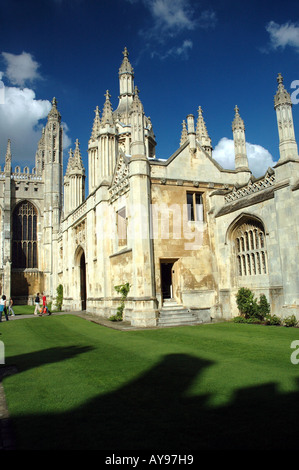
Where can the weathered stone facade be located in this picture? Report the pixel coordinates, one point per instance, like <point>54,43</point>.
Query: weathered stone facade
<point>184,232</point>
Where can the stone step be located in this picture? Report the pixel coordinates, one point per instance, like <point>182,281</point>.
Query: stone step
<point>176,315</point>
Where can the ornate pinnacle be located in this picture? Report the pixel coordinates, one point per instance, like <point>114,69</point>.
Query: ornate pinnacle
<point>125,52</point>
<point>238,122</point>
<point>184,135</point>
<point>126,67</point>
<point>282,96</point>
<point>96,124</point>
<point>107,115</point>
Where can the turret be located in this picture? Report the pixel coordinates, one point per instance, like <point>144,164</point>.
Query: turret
<point>76,174</point>
<point>238,128</point>
<point>191,132</point>
<point>202,135</point>
<point>7,167</point>
<point>53,159</point>
<point>283,106</point>
<point>137,126</point>
<point>184,134</point>
<point>126,88</point>
<point>106,143</point>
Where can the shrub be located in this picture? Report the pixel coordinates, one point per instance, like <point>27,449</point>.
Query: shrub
<point>248,305</point>
<point>273,320</point>
<point>59,297</point>
<point>290,321</point>
<point>246,302</point>
<point>239,319</point>
<point>264,306</point>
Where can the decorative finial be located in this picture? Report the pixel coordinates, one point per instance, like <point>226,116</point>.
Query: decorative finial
<point>107,95</point>
<point>236,109</point>
<point>54,102</point>
<point>279,79</point>
<point>125,52</point>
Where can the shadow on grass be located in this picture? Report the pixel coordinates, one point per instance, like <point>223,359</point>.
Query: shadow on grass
<point>154,412</point>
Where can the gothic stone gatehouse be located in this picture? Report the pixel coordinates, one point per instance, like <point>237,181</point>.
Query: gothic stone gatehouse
<point>184,232</point>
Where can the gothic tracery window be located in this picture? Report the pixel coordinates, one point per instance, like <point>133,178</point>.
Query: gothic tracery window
<point>24,244</point>
<point>250,248</point>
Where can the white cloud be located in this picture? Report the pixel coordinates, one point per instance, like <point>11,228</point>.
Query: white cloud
<point>171,15</point>
<point>180,51</point>
<point>259,158</point>
<point>283,35</point>
<point>168,20</point>
<point>20,68</point>
<point>22,116</point>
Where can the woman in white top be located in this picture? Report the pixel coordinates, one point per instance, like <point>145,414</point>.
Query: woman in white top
<point>3,307</point>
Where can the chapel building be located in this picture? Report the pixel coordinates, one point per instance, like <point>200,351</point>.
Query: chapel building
<point>184,232</point>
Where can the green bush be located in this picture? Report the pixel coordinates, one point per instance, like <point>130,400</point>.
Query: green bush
<point>290,321</point>
<point>59,297</point>
<point>249,307</point>
<point>239,319</point>
<point>273,320</point>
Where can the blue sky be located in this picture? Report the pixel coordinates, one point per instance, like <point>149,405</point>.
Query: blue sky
<point>185,54</point>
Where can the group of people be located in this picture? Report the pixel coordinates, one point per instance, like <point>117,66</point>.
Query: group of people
<point>6,307</point>
<point>40,310</point>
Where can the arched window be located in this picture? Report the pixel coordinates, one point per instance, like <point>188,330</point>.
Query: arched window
<point>250,248</point>
<point>24,238</point>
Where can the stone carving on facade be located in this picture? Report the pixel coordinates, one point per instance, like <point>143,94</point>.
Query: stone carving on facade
<point>120,184</point>
<point>80,233</point>
<point>252,187</point>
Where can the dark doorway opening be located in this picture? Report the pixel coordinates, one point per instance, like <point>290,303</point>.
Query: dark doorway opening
<point>166,280</point>
<point>83,281</point>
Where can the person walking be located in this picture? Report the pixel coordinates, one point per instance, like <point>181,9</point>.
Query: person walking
<point>36,301</point>
<point>44,304</point>
<point>3,307</point>
<point>10,309</point>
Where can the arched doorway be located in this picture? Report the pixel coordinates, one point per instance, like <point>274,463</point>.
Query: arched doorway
<point>83,281</point>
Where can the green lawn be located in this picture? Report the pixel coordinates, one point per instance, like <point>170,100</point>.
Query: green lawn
<point>218,386</point>
<point>23,309</point>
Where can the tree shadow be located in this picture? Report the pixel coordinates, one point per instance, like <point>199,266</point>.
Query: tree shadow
<point>154,412</point>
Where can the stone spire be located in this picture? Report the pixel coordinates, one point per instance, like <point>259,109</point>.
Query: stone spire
<point>7,167</point>
<point>238,128</point>
<point>126,89</point>
<point>107,114</point>
<point>283,106</point>
<point>202,134</point>
<point>54,114</point>
<point>126,67</point>
<point>69,163</point>
<point>137,126</point>
<point>77,163</point>
<point>96,125</point>
<point>184,135</point>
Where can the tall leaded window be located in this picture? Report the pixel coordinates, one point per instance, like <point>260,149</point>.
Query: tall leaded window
<point>24,243</point>
<point>249,239</point>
